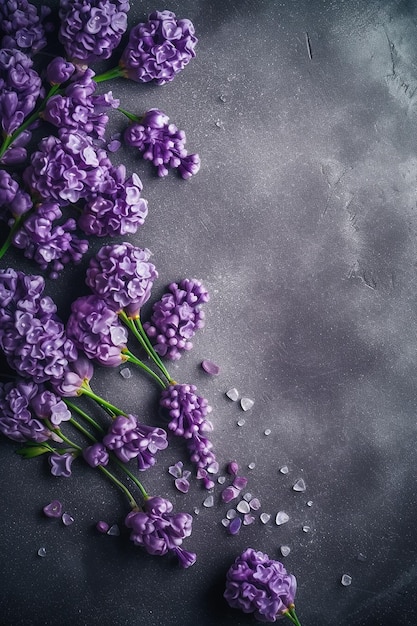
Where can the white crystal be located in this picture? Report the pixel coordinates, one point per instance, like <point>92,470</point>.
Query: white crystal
<point>233,394</point>
<point>254,504</point>
<point>284,469</point>
<point>248,519</point>
<point>42,552</point>
<point>67,519</point>
<point>125,373</point>
<point>241,422</point>
<point>264,517</point>
<point>299,485</point>
<point>285,550</point>
<point>361,557</point>
<point>346,580</point>
<point>225,522</point>
<point>281,518</point>
<point>222,98</point>
<point>247,497</point>
<point>231,514</point>
<point>310,503</point>
<point>246,403</point>
<point>243,507</point>
<point>221,480</point>
<point>252,465</point>
<point>208,502</point>
<point>306,529</point>
<point>114,531</point>
<point>267,431</point>
<point>196,510</point>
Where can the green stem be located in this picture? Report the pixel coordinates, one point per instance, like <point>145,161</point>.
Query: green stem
<point>84,415</point>
<point>294,615</point>
<point>290,617</point>
<point>115,72</point>
<point>60,434</point>
<point>132,502</point>
<point>86,390</point>
<point>132,477</point>
<point>132,359</point>
<point>131,116</point>
<point>9,238</point>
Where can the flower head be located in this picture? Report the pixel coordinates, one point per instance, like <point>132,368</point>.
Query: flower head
<point>159,530</point>
<point>187,410</point>
<point>122,276</point>
<point>159,49</point>
<point>18,420</point>
<point>22,27</point>
<point>96,455</point>
<point>257,584</point>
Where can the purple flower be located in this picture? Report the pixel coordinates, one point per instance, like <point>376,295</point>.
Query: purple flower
<point>96,455</point>
<point>67,168</point>
<point>91,29</point>
<point>31,334</point>
<point>122,276</point>
<point>22,27</point>
<point>187,410</point>
<point>118,209</point>
<point>78,109</point>
<point>160,531</point>
<point>129,439</point>
<point>162,143</point>
<point>59,70</point>
<point>20,87</point>
<point>159,49</point>
<point>176,317</point>
<point>257,584</point>
<point>17,419</point>
<point>201,453</point>
<point>97,331</point>
<point>53,509</point>
<point>47,405</point>
<point>75,376</point>
<point>50,244</point>
<point>61,463</point>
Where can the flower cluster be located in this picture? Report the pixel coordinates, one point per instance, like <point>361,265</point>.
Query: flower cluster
<point>91,29</point>
<point>17,421</point>
<point>21,26</point>
<point>160,531</point>
<point>162,143</point>
<point>159,49</point>
<point>176,317</point>
<point>259,585</point>
<point>14,201</point>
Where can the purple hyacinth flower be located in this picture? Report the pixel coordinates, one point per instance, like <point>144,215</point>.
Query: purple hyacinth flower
<point>96,455</point>
<point>130,439</point>
<point>259,585</point>
<point>91,29</point>
<point>61,463</point>
<point>75,375</point>
<point>47,405</point>
<point>97,331</point>
<point>18,420</point>
<point>162,143</point>
<point>176,317</point>
<point>159,531</point>
<point>59,70</point>
<point>186,409</point>
<point>122,276</point>
<point>22,27</point>
<point>158,49</point>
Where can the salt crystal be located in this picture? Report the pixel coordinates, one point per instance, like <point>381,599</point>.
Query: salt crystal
<point>267,431</point>
<point>299,485</point>
<point>114,531</point>
<point>182,484</point>
<point>67,519</point>
<point>225,522</point>
<point>221,480</point>
<point>222,98</point>
<point>196,510</point>
<point>42,552</point>
<point>252,465</point>
<point>235,526</point>
<point>306,529</point>
<point>246,403</point>
<point>285,550</point>
<point>210,368</point>
<point>240,482</point>
<point>264,517</point>
<point>248,519</point>
<point>310,503</point>
<point>208,502</point>
<point>231,514</point>
<point>254,504</point>
<point>232,394</point>
<point>247,496</point>
<point>125,373</point>
<point>240,422</point>
<point>176,470</point>
<point>213,468</point>
<point>243,507</point>
<point>281,518</point>
<point>346,580</point>
<point>284,469</point>
<point>361,557</point>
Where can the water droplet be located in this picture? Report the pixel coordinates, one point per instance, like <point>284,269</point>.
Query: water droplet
<point>221,480</point>
<point>222,97</point>
<point>208,502</point>
<point>125,373</point>
<point>235,526</point>
<point>267,431</point>
<point>285,550</point>
<point>299,485</point>
<point>310,503</point>
<point>306,529</point>
<point>67,519</point>
<point>114,531</point>
<point>231,514</point>
<point>361,557</point>
<point>246,403</point>
<point>241,422</point>
<point>264,517</point>
<point>284,469</point>
<point>281,518</point>
<point>243,507</point>
<point>252,465</point>
<point>42,552</point>
<point>254,504</point>
<point>225,522</point>
<point>233,394</point>
<point>346,580</point>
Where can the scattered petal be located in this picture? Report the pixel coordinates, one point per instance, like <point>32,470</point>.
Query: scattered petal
<point>182,484</point>
<point>102,527</point>
<point>53,509</point>
<point>248,519</point>
<point>230,493</point>
<point>234,526</point>
<point>232,468</point>
<point>240,482</point>
<point>210,368</point>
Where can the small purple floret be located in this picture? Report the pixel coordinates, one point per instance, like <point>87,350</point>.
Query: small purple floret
<point>61,464</point>
<point>53,509</point>
<point>96,455</point>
